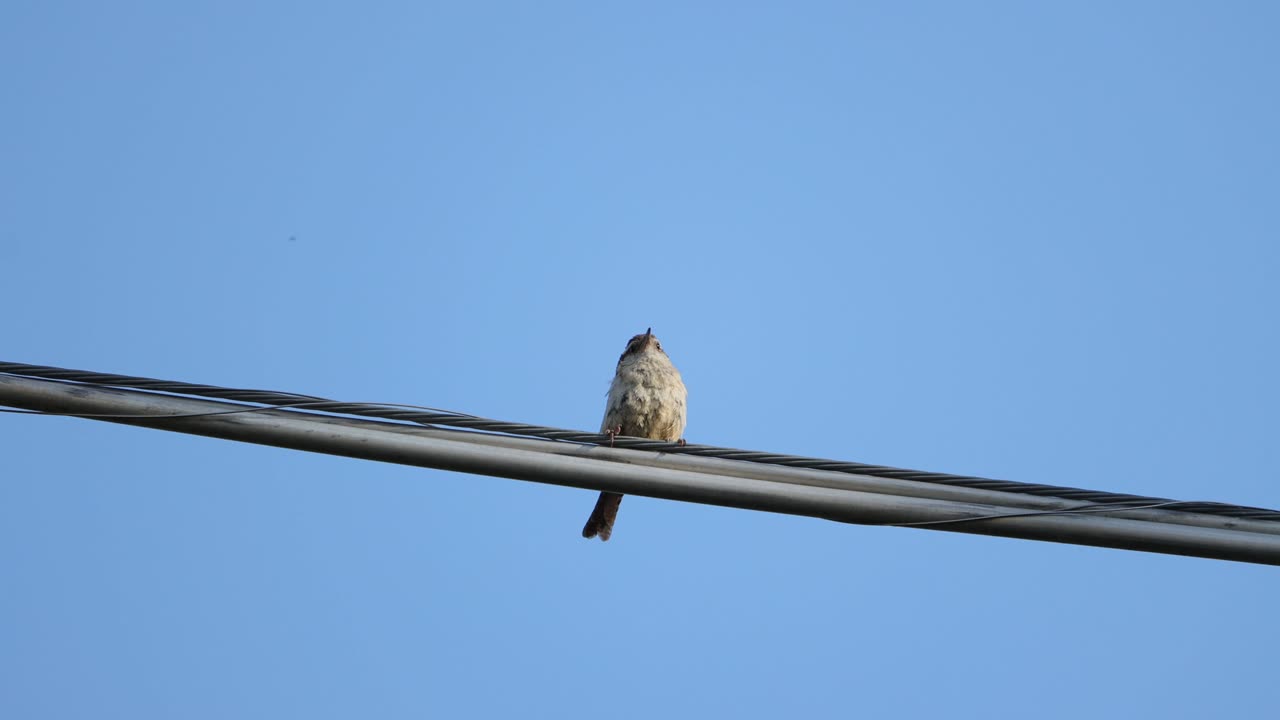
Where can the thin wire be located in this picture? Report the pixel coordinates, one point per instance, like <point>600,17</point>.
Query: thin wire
<point>126,416</point>
<point>1091,509</point>
<point>1087,510</point>
<point>433,417</point>
<point>142,416</point>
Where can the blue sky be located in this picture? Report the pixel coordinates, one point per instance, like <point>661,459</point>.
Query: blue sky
<point>1032,241</point>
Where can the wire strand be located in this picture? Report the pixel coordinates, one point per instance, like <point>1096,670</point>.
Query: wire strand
<point>1089,510</point>
<point>433,417</point>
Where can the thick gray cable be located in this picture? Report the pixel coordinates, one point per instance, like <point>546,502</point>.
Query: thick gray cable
<point>430,416</point>
<point>617,470</point>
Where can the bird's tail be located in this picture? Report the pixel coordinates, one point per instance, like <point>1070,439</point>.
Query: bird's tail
<point>601,520</point>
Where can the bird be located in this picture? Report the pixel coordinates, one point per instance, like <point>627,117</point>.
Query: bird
<point>647,399</point>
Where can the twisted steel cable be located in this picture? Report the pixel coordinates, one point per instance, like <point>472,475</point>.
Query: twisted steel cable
<point>437,417</point>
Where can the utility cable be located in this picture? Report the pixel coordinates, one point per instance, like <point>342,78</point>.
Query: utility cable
<point>429,416</point>
<point>584,460</point>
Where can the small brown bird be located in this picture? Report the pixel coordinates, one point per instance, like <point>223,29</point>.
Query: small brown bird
<point>646,399</point>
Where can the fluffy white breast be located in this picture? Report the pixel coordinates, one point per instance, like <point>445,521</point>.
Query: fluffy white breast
<point>647,398</point>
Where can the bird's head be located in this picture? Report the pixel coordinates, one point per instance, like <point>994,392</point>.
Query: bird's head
<point>645,342</point>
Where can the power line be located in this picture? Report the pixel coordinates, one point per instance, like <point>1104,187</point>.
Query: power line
<point>447,418</point>
<point>848,492</point>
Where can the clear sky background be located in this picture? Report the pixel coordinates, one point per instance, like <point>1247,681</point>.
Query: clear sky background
<point>1031,241</point>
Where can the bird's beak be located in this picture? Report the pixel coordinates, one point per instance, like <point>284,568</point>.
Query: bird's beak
<point>648,333</point>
